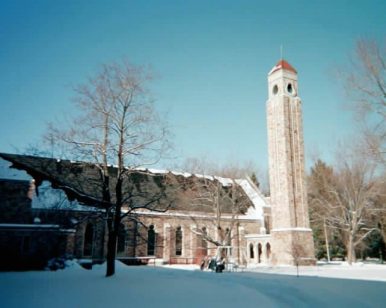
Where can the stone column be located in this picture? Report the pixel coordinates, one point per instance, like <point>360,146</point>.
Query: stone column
<point>263,253</point>
<point>192,244</point>
<point>167,243</point>
<point>243,247</point>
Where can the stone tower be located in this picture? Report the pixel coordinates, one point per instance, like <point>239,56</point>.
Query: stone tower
<point>292,240</point>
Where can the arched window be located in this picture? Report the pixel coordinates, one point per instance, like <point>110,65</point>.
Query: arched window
<point>151,236</point>
<point>228,236</point>
<point>251,252</point>
<point>178,241</point>
<point>204,243</point>
<point>259,252</point>
<point>268,252</point>
<point>121,238</point>
<point>88,240</point>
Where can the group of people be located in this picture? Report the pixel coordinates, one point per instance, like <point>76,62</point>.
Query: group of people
<point>215,264</point>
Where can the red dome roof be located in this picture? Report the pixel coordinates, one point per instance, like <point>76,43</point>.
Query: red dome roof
<point>283,64</point>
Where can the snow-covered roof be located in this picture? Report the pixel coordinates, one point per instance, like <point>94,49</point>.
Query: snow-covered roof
<point>283,64</point>
<point>224,181</point>
<point>255,212</point>
<point>77,180</point>
<point>258,200</point>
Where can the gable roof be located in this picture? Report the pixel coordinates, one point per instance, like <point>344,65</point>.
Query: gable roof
<point>82,181</point>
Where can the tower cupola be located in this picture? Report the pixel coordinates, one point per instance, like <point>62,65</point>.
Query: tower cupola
<point>282,80</point>
<point>283,65</point>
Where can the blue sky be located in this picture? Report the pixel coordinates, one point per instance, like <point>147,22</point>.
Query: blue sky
<point>211,59</point>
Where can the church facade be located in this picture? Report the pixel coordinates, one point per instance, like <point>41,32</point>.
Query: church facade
<point>261,230</point>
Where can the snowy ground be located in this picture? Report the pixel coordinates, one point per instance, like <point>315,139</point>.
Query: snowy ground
<point>363,271</point>
<point>170,287</point>
<point>360,270</point>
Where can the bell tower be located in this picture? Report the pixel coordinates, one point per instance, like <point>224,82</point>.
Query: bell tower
<point>292,240</point>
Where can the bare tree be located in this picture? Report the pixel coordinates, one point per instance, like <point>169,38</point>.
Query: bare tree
<point>380,218</point>
<point>345,198</point>
<point>219,196</point>
<point>297,252</point>
<point>365,84</point>
<point>119,125</point>
<point>223,203</point>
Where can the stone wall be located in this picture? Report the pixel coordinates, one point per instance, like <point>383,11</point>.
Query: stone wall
<point>290,218</point>
<point>293,247</point>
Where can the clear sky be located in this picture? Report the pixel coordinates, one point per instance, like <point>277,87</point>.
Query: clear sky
<point>211,59</point>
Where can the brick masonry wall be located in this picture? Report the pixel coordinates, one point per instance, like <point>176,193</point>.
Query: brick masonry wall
<point>165,228</point>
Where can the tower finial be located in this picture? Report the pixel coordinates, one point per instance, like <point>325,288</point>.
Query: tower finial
<point>281,52</point>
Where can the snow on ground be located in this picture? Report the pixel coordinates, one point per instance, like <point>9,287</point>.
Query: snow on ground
<point>360,270</point>
<point>363,271</point>
<point>148,286</point>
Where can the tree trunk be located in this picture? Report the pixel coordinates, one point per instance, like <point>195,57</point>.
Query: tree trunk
<point>350,249</point>
<point>326,239</point>
<point>111,253</point>
<point>113,232</point>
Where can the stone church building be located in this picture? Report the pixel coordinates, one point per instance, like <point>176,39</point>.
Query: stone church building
<point>198,216</point>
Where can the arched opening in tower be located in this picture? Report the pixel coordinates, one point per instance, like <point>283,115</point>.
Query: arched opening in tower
<point>251,252</point>
<point>268,251</point>
<point>259,252</point>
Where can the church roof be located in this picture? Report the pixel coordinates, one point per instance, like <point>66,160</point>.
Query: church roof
<point>81,181</point>
<point>283,64</point>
